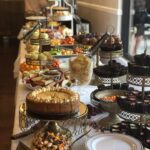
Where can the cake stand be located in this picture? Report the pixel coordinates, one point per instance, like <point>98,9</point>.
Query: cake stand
<point>72,125</point>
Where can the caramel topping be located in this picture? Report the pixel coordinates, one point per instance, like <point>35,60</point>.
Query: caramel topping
<point>53,95</point>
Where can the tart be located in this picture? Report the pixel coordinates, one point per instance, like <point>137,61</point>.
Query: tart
<point>53,101</point>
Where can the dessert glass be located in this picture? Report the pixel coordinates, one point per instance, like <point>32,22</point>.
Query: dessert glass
<point>81,69</point>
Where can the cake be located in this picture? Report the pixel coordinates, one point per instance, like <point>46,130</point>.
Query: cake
<point>112,43</point>
<point>53,101</point>
<point>140,66</point>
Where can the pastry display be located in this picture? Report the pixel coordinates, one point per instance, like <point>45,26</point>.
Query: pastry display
<point>134,103</point>
<point>61,13</point>
<point>67,41</point>
<point>112,43</point>
<point>55,42</point>
<point>87,39</point>
<point>81,69</point>
<point>44,38</point>
<point>47,140</point>
<point>67,51</point>
<point>38,58</point>
<point>113,69</point>
<point>53,101</point>
<point>140,66</point>
<point>43,77</point>
<point>25,67</point>
<point>32,48</point>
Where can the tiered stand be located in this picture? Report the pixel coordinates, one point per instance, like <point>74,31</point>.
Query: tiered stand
<point>65,6</point>
<point>112,108</point>
<point>142,82</point>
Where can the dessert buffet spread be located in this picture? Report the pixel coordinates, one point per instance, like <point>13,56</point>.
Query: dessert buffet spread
<point>54,101</point>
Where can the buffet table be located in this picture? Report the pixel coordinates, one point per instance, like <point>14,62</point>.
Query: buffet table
<point>21,92</point>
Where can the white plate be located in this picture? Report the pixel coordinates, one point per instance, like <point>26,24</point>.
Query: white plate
<point>34,18</point>
<point>113,142</point>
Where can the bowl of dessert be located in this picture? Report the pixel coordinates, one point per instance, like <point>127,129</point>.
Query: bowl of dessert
<point>107,99</point>
<point>51,136</point>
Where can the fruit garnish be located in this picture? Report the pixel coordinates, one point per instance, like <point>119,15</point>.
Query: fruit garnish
<point>112,98</point>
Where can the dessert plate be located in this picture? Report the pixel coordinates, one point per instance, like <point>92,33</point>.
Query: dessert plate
<point>113,142</point>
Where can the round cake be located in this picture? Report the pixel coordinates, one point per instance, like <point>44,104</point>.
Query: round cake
<point>53,101</point>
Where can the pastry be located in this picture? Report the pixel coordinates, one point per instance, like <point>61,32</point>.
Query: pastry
<point>43,78</point>
<point>53,101</point>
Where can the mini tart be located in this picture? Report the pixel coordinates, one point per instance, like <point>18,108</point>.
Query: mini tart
<point>53,101</point>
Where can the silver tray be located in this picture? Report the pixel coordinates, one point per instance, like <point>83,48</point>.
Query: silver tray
<point>27,120</point>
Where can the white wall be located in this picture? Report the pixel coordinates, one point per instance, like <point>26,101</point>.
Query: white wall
<point>101,13</point>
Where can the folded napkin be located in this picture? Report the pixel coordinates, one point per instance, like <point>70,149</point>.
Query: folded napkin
<point>22,146</point>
